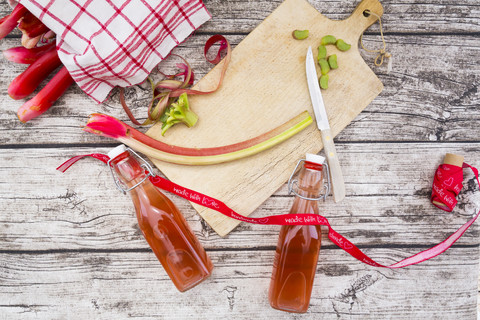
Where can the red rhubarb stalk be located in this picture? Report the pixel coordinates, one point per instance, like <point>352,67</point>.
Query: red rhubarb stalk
<point>108,126</point>
<point>9,22</point>
<point>25,83</point>
<point>32,26</point>
<point>27,56</point>
<point>46,97</point>
<point>30,42</point>
<point>33,30</point>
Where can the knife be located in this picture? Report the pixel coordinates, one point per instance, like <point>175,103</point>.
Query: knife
<point>336,176</point>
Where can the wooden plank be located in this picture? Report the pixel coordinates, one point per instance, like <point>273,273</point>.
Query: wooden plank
<point>432,93</point>
<point>424,98</point>
<point>106,285</point>
<point>387,202</point>
<point>430,16</point>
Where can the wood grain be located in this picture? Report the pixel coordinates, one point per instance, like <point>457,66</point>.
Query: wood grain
<point>264,87</point>
<point>424,98</point>
<point>404,16</point>
<point>70,247</point>
<point>105,285</point>
<point>85,211</point>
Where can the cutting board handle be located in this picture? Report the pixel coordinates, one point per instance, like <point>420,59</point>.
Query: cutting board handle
<point>360,20</point>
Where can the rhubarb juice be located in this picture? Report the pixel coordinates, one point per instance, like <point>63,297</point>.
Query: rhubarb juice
<point>296,255</point>
<point>164,228</point>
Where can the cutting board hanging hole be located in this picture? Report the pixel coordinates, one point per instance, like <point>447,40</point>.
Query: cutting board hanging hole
<point>382,53</point>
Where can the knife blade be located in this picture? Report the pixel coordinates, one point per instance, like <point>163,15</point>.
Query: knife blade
<point>336,176</point>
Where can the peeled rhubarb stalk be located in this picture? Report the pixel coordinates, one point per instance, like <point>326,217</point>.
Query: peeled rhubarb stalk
<point>26,82</point>
<point>46,97</point>
<point>111,127</point>
<point>27,56</point>
<point>9,22</point>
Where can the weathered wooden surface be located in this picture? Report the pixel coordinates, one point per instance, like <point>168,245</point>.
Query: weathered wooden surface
<point>70,247</point>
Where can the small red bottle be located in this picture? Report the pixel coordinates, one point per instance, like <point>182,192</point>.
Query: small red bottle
<point>298,247</point>
<point>163,226</point>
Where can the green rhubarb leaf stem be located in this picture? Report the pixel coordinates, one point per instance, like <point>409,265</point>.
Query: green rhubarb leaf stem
<point>179,112</point>
<point>190,118</point>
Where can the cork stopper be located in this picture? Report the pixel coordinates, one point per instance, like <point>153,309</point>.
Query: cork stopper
<point>453,159</point>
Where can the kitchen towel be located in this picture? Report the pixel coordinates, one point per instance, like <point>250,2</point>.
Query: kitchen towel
<point>108,43</point>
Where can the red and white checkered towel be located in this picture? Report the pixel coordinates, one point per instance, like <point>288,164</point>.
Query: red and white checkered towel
<point>108,43</point>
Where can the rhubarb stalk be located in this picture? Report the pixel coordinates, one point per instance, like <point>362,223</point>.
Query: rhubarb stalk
<point>46,97</point>
<point>9,22</point>
<point>32,30</point>
<point>27,56</point>
<point>31,26</point>
<point>111,127</point>
<point>26,82</point>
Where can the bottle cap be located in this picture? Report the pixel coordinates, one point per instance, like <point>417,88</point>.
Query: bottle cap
<point>115,152</point>
<point>315,158</point>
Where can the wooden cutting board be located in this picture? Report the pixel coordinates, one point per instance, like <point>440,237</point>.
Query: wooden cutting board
<point>265,85</point>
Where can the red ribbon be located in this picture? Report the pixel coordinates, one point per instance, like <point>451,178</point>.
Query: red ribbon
<point>446,186</point>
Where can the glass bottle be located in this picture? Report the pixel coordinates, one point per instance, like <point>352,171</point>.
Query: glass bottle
<point>163,226</point>
<point>296,256</point>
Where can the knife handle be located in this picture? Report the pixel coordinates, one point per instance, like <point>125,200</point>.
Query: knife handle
<point>338,185</point>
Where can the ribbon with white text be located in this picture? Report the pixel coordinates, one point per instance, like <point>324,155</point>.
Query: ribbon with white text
<point>446,186</point>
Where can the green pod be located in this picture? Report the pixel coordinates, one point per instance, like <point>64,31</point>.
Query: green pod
<point>324,66</point>
<point>332,61</point>
<point>323,81</point>
<point>300,34</point>
<point>322,52</point>
<point>328,40</point>
<point>342,45</point>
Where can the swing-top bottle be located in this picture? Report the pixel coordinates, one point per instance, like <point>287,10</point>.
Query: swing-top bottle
<point>163,226</point>
<point>298,246</point>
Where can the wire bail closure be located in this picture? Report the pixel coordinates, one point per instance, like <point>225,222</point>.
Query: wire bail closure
<point>292,182</point>
<point>145,165</point>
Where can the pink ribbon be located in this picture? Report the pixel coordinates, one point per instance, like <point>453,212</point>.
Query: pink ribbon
<point>447,184</point>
